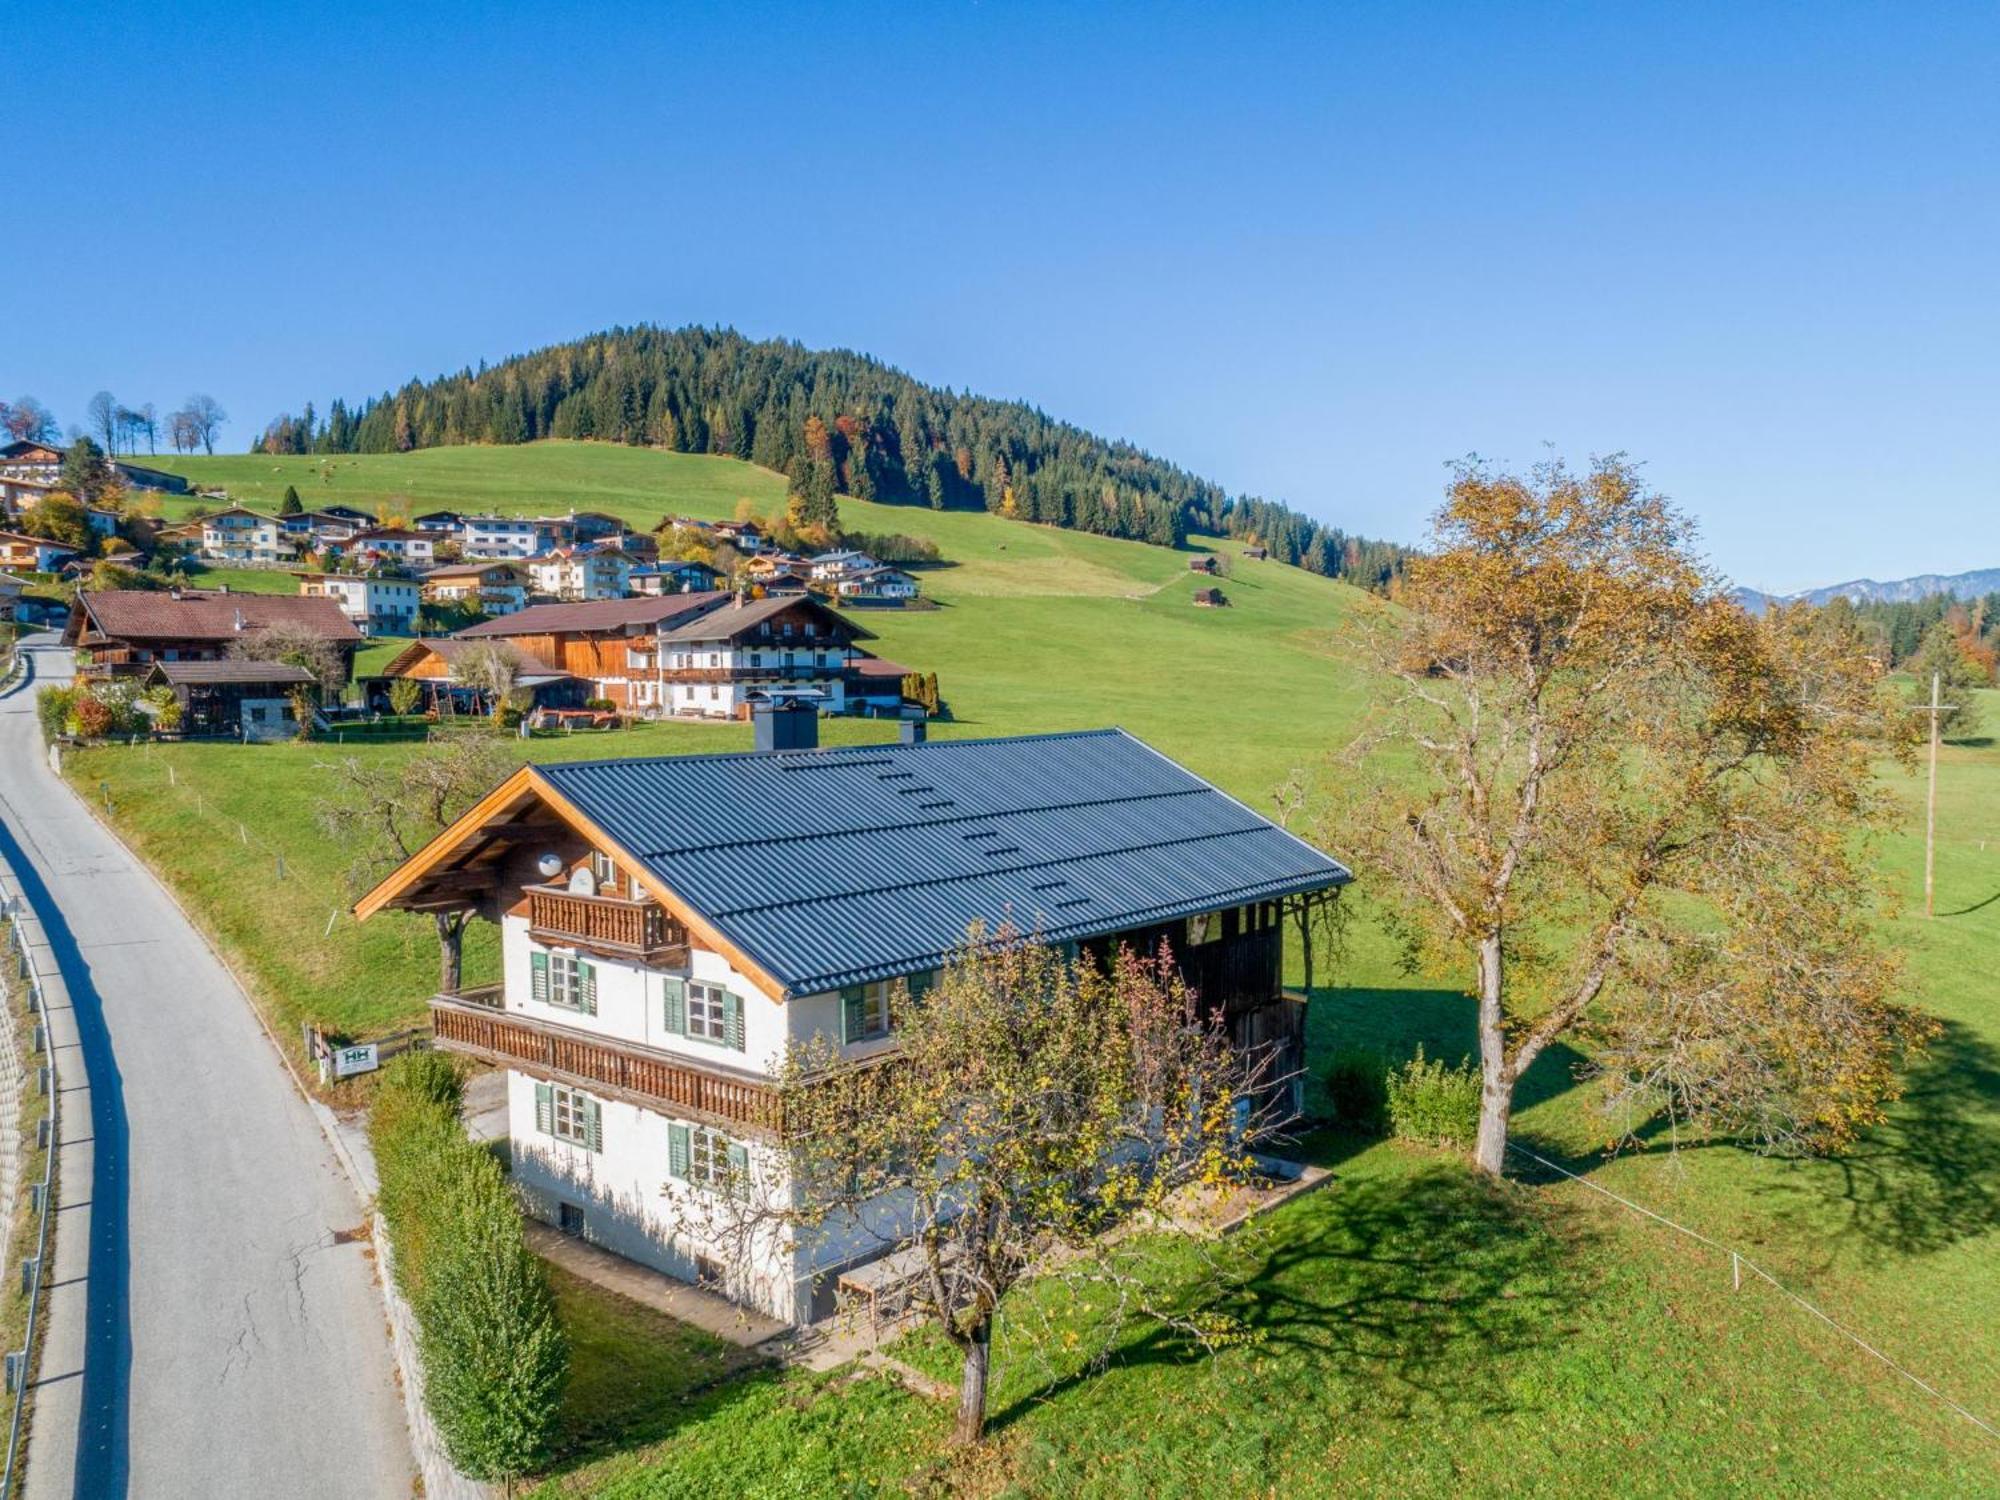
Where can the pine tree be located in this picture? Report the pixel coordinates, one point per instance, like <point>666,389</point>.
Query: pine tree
<point>291,505</point>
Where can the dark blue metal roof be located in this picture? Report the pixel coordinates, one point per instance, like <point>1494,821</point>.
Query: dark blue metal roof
<point>837,866</point>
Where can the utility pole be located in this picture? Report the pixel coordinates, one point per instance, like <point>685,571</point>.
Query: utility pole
<point>1930,803</point>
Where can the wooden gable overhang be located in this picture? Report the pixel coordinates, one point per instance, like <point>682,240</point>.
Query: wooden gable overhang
<point>481,862</point>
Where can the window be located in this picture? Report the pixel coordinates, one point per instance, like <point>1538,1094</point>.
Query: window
<point>864,1012</point>
<point>563,980</point>
<point>605,868</point>
<point>702,1012</point>
<point>707,1158</point>
<point>569,1115</point>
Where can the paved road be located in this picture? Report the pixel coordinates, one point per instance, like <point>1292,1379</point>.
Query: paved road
<point>236,1342</point>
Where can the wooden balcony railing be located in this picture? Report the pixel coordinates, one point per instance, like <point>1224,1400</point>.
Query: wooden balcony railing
<point>613,924</point>
<point>473,1023</point>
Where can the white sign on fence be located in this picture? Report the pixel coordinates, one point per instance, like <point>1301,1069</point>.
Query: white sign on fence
<point>347,1061</point>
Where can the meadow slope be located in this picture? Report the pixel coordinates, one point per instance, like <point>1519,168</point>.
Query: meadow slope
<point>1419,1333</point>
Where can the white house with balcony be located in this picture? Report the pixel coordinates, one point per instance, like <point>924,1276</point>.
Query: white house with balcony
<point>672,926</point>
<point>500,536</point>
<point>577,574</point>
<point>720,664</point>
<point>242,537</point>
<point>376,605</point>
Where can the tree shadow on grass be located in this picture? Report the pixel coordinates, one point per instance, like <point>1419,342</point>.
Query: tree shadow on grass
<point>1389,1294</point>
<point>1930,1177</point>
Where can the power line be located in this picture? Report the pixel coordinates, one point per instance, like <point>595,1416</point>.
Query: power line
<point>1740,1261</point>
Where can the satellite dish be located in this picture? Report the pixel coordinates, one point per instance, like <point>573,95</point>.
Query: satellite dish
<point>550,865</point>
<point>582,881</point>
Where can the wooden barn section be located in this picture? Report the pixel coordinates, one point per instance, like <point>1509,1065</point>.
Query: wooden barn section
<point>434,663</point>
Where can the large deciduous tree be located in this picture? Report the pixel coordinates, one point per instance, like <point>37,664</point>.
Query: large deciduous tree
<point>387,812</point>
<point>1033,1102</point>
<point>1627,813</point>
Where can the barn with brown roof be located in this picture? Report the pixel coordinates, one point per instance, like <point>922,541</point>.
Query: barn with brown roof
<point>123,632</point>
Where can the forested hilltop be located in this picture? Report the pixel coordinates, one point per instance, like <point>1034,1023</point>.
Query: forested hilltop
<point>833,422</point>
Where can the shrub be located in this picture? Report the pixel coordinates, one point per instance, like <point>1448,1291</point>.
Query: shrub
<point>599,705</point>
<point>54,706</point>
<point>404,695</point>
<point>1433,1104</point>
<point>90,718</point>
<point>1357,1084</point>
<point>495,1358</point>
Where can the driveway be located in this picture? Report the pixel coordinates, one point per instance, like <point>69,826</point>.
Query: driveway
<point>235,1338</point>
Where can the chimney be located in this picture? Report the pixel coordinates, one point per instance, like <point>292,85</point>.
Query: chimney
<point>910,732</point>
<point>787,724</point>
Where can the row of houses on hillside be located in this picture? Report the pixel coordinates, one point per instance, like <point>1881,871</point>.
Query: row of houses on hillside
<point>712,655</point>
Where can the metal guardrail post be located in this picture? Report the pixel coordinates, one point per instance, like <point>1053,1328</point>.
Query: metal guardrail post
<point>18,1363</point>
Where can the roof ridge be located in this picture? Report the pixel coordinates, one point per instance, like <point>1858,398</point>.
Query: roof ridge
<point>943,822</point>
<point>547,767</point>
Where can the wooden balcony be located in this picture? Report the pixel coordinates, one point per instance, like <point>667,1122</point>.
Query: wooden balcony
<point>473,1023</point>
<point>613,925</point>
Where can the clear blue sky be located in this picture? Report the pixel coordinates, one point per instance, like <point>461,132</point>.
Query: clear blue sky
<point>1313,251</point>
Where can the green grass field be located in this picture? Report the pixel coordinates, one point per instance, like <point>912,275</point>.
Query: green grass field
<point>1419,1332</point>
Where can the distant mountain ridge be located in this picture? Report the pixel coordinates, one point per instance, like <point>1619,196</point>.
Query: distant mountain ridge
<point>1867,591</point>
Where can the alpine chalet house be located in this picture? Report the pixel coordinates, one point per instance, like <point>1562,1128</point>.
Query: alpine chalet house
<point>123,632</point>
<point>433,664</point>
<point>670,925</point>
<point>609,643</point>
<point>492,587</point>
<point>723,662</point>
<point>575,574</point>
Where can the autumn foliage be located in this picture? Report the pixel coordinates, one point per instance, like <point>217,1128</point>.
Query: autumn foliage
<point>1621,811</point>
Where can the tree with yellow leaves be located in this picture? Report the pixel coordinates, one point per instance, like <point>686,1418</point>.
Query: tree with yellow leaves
<point>1031,1102</point>
<point>1627,814</point>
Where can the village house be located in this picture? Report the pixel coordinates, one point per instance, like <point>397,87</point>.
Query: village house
<point>491,587</point>
<point>1210,599</point>
<point>829,567</point>
<point>500,536</point>
<point>722,662</point>
<point>392,544</point>
<point>577,573</point>
<point>609,643</point>
<point>444,522</point>
<point>245,538</point>
<point>122,632</point>
<point>670,927</point>
<point>377,605</point>
<point>1202,563</point>
<point>875,688</point>
<point>17,496</point>
<point>28,459</point>
<point>434,663</point>
<point>876,586</point>
<point>674,578</point>
<point>234,698</point>
<point>746,537</point>
<point>32,554</point>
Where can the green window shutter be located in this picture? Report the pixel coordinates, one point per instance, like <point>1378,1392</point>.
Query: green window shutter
<point>593,1125</point>
<point>732,1020</point>
<point>919,985</point>
<point>853,1012</point>
<point>739,1169</point>
<point>545,1110</point>
<point>677,1151</point>
<point>538,976</point>
<point>676,1007</point>
<point>586,988</point>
